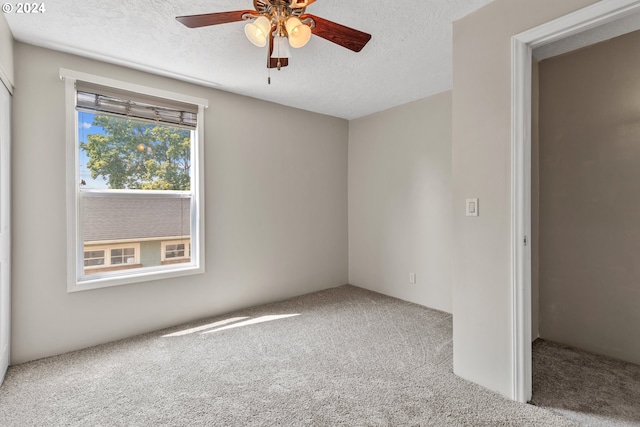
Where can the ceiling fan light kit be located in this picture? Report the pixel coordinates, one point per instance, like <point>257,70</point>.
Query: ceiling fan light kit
<point>299,34</point>
<point>280,48</point>
<point>258,31</point>
<point>280,24</point>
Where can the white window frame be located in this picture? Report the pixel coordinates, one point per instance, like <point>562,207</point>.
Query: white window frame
<point>76,279</point>
<point>165,243</point>
<point>107,256</point>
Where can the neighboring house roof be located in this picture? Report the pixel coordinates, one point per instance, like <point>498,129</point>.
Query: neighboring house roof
<point>134,217</point>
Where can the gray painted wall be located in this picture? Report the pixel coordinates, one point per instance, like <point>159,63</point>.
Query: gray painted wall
<point>482,339</point>
<point>400,201</point>
<point>276,213</point>
<point>589,209</point>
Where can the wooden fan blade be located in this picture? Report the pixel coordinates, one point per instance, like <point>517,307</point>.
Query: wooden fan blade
<point>339,34</point>
<point>273,62</point>
<point>195,21</point>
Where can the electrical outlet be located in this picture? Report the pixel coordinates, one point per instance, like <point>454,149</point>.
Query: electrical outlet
<point>412,277</point>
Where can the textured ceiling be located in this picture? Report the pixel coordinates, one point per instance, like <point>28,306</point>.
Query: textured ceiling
<point>409,56</point>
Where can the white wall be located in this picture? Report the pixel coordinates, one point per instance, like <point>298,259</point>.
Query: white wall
<point>6,53</point>
<point>400,201</point>
<point>276,213</point>
<point>482,168</point>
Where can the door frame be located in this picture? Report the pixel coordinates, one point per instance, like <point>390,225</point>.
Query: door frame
<point>5,235</point>
<point>522,46</point>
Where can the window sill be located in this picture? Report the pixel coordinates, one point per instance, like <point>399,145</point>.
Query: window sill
<point>127,278</point>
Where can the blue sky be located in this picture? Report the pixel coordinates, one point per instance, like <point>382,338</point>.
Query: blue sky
<point>85,128</point>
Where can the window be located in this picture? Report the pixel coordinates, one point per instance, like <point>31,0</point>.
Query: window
<point>124,255</point>
<point>94,258</point>
<point>176,251</point>
<point>111,258</point>
<point>135,196</point>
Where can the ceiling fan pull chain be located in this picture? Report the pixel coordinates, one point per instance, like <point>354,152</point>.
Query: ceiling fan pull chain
<point>279,64</point>
<point>278,45</point>
<point>268,63</point>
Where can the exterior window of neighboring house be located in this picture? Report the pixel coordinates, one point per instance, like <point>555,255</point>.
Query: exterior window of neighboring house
<point>111,258</point>
<point>135,196</point>
<point>176,251</point>
<point>94,258</point>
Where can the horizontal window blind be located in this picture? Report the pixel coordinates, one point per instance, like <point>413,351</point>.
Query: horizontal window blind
<point>101,99</point>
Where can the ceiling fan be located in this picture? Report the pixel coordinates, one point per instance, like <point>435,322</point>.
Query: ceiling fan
<point>280,24</point>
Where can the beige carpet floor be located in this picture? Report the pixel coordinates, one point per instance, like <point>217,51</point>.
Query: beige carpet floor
<point>340,357</point>
<point>589,389</point>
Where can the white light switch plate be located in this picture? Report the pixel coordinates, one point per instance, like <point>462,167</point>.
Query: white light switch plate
<point>472,207</point>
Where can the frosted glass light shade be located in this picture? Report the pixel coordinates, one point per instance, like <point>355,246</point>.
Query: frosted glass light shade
<point>258,30</point>
<point>299,33</point>
<point>280,48</point>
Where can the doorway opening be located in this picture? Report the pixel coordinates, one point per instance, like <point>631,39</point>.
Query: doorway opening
<point>596,16</point>
<point>585,238</point>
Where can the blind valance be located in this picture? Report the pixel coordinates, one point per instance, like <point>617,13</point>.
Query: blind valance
<point>101,99</point>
